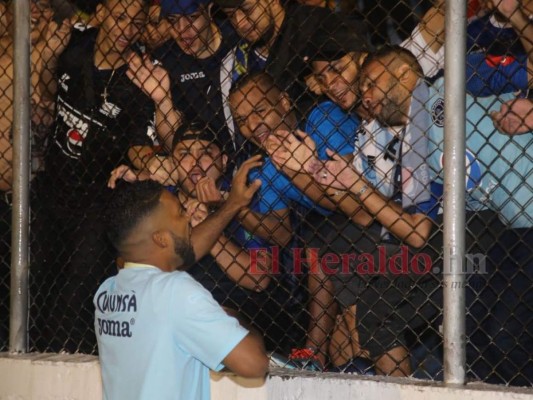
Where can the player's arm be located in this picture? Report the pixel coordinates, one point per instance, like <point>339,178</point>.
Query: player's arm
<point>205,235</point>
<point>215,336</point>
<point>248,358</point>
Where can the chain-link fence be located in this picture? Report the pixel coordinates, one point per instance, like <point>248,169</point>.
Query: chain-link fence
<point>338,260</point>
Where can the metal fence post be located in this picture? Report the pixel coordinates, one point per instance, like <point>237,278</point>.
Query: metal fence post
<point>454,194</point>
<point>21,156</point>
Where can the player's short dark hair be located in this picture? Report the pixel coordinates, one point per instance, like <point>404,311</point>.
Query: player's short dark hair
<point>129,204</point>
<point>395,54</point>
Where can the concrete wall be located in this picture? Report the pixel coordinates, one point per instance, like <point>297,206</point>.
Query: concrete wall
<point>77,377</point>
<point>49,376</point>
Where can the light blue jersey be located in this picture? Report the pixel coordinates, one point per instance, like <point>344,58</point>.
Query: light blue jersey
<point>158,335</point>
<point>331,128</point>
<point>499,167</point>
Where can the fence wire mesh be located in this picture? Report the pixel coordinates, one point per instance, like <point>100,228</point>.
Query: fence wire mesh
<point>338,259</point>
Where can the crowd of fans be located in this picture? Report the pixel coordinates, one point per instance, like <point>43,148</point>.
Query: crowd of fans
<point>337,260</point>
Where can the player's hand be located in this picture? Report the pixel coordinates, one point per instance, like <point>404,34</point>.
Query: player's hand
<point>241,193</point>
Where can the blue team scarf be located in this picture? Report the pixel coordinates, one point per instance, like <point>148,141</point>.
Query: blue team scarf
<point>247,60</point>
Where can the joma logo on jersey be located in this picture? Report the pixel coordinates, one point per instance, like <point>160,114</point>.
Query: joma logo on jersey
<point>192,76</point>
<point>114,328</point>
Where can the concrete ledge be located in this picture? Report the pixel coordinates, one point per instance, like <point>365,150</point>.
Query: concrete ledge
<point>77,377</point>
<point>297,385</point>
<point>49,376</point>
<point>38,376</point>
<point>225,386</point>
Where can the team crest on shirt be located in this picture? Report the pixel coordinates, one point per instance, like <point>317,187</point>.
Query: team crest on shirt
<point>437,112</point>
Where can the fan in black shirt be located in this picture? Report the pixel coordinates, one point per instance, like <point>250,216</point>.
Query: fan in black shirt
<point>282,37</point>
<point>103,119</point>
<point>194,58</point>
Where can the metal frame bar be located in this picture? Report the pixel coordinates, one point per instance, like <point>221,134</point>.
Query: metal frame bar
<point>454,193</point>
<point>18,316</point>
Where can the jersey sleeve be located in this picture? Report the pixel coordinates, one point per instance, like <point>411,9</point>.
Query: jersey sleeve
<point>488,75</point>
<point>203,328</point>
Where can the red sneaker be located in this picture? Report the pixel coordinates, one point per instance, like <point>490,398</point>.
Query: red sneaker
<point>306,359</point>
